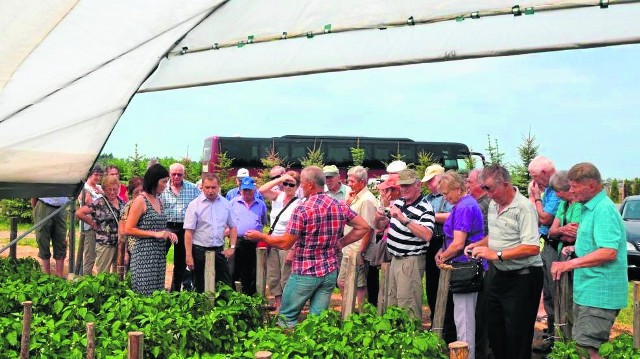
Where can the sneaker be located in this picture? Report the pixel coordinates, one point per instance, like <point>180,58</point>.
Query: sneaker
<point>545,347</point>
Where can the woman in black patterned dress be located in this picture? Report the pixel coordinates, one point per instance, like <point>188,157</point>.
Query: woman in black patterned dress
<point>148,224</point>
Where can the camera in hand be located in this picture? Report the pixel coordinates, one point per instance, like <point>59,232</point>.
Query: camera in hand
<point>387,212</point>
<point>469,252</point>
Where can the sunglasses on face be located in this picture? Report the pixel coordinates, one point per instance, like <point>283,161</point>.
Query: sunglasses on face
<point>275,177</point>
<point>287,184</point>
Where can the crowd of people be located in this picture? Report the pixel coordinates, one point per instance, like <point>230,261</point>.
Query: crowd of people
<point>316,223</point>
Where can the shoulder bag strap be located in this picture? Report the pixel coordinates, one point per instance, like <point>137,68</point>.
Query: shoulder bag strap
<point>275,221</point>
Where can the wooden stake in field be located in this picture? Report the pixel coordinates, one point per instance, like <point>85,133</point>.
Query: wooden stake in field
<point>263,355</point>
<point>441,300</point>
<point>636,315</point>
<point>349,295</point>
<point>261,271</point>
<point>13,234</point>
<point>91,341</point>
<point>458,350</point>
<point>135,347</point>
<point>383,291</point>
<point>122,247</point>
<point>562,300</point>
<point>238,285</point>
<point>26,330</point>
<point>210,272</point>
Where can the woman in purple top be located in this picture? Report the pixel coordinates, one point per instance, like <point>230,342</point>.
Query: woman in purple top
<point>465,225</point>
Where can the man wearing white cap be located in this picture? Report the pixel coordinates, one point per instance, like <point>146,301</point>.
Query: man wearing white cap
<point>235,192</point>
<point>333,186</point>
<point>396,166</point>
<point>441,208</point>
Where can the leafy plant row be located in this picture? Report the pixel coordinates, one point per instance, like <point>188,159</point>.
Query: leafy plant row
<point>186,324</point>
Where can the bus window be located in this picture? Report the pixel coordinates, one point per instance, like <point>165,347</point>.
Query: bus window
<point>338,155</point>
<point>298,151</point>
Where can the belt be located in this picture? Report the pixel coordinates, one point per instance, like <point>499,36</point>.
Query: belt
<point>207,249</point>
<point>521,271</point>
<point>553,242</point>
<point>175,225</point>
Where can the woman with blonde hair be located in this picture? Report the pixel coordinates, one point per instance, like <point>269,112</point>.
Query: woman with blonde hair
<point>464,225</point>
<point>102,216</point>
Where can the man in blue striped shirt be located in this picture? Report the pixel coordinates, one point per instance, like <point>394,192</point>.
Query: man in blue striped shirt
<point>412,222</point>
<point>175,199</point>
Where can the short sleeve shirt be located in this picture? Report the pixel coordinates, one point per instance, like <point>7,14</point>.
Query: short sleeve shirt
<point>319,222</point>
<point>604,286</point>
<point>550,203</point>
<point>517,224</point>
<point>208,219</point>
<point>366,205</point>
<point>401,242</point>
<point>466,216</point>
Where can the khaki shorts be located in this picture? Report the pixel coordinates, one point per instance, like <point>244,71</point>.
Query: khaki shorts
<point>592,326</point>
<point>361,279</point>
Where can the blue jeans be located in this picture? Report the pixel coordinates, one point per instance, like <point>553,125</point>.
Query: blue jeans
<point>299,289</point>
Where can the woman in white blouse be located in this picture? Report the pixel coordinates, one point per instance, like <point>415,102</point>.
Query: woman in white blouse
<point>281,191</point>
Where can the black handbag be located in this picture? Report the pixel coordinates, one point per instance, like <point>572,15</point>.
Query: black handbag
<point>466,277</point>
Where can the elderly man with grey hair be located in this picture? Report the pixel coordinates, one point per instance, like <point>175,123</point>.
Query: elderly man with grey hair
<point>546,202</point>
<point>600,287</point>
<point>364,203</point>
<point>175,199</point>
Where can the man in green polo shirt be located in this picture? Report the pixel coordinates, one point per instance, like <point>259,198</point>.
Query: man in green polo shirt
<point>600,270</point>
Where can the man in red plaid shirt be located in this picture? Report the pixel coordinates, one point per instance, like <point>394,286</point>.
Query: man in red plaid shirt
<point>316,230</point>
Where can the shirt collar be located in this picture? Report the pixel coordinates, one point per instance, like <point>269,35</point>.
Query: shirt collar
<point>593,202</point>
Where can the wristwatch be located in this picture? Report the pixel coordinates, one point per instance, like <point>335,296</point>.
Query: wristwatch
<point>406,223</point>
<point>233,246</point>
<point>499,253</point>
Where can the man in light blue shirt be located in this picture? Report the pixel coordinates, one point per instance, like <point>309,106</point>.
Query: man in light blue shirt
<point>175,199</point>
<point>249,213</point>
<point>205,222</point>
<point>546,203</point>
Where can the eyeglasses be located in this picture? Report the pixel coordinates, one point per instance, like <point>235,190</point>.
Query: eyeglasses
<point>287,184</point>
<point>177,174</point>
<point>275,177</point>
<point>489,189</point>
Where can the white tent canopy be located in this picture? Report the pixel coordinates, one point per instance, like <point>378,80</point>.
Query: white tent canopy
<point>68,68</point>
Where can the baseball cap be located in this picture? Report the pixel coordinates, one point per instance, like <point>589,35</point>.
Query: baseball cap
<point>242,172</point>
<point>407,176</point>
<point>396,167</point>
<point>432,171</point>
<point>330,170</point>
<point>390,182</point>
<point>247,183</point>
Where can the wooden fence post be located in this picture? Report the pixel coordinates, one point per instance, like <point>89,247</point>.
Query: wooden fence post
<point>261,271</point>
<point>383,291</point>
<point>72,237</point>
<point>349,294</point>
<point>562,301</point>
<point>441,300</point>
<point>210,272</point>
<point>13,234</point>
<point>263,355</point>
<point>122,248</point>
<point>135,347</point>
<point>26,329</point>
<point>91,341</point>
<point>458,350</point>
<point>238,286</point>
<point>636,315</point>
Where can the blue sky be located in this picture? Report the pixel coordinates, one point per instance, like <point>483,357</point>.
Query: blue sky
<point>581,105</point>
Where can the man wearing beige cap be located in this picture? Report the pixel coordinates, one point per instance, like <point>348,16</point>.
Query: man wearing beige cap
<point>333,186</point>
<point>441,208</point>
<point>410,230</point>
